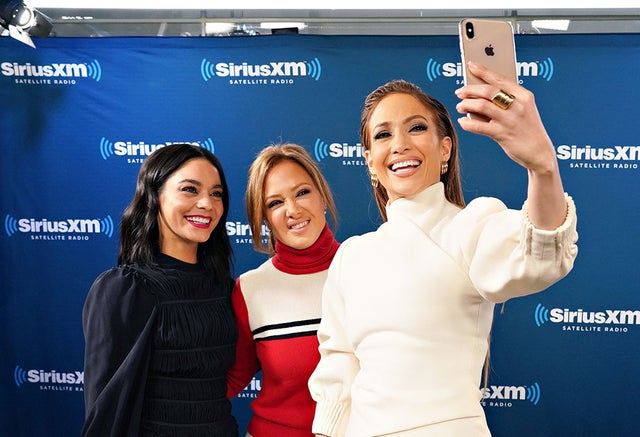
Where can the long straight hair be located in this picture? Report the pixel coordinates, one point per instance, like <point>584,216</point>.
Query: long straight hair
<point>139,230</point>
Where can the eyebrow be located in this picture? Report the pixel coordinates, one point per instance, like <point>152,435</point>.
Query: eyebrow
<point>406,120</point>
<point>190,181</point>
<point>197,182</point>
<point>295,187</point>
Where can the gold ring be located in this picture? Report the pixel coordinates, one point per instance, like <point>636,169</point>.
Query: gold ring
<point>503,99</point>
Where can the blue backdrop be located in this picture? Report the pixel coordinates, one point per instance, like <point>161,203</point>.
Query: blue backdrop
<point>78,116</point>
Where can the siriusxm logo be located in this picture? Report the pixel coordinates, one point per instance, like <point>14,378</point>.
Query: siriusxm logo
<point>543,69</point>
<point>322,150</point>
<point>501,396</point>
<point>611,320</point>
<point>45,229</point>
<point>65,71</point>
<point>142,149</point>
<point>242,232</point>
<point>589,153</point>
<point>271,70</point>
<point>51,377</point>
<point>252,389</point>
<point>239,229</point>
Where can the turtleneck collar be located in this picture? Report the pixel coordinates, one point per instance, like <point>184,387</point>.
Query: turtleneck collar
<point>313,259</point>
<point>426,209</point>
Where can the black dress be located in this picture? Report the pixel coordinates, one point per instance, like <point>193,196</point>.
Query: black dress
<point>159,342</point>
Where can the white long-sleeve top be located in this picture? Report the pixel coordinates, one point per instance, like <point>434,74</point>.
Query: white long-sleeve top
<point>407,311</point>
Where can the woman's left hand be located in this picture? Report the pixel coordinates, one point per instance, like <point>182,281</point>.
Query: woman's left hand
<point>518,129</point>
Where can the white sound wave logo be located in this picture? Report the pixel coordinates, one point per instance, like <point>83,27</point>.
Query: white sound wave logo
<point>311,68</point>
<point>544,69</point>
<point>503,395</point>
<point>52,377</point>
<point>609,320</point>
<point>67,227</point>
<point>322,150</point>
<point>92,70</point>
<point>110,148</point>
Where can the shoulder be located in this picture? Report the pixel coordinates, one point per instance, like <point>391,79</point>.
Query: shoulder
<point>483,206</point>
<point>353,247</point>
<point>478,211</point>
<point>264,269</point>
<point>120,284</point>
<point>254,277</point>
<point>118,277</point>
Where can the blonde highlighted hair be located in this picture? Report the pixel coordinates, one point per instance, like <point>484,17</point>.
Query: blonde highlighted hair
<point>266,159</point>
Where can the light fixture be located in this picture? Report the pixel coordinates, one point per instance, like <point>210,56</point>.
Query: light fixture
<point>551,24</point>
<point>23,21</point>
<point>218,28</point>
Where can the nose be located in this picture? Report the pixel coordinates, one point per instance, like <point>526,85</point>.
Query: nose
<point>292,208</point>
<point>205,202</point>
<point>400,143</point>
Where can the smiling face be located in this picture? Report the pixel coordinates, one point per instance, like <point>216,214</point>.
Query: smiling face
<point>190,207</point>
<point>406,151</point>
<point>293,204</point>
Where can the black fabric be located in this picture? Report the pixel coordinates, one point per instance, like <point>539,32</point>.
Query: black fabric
<point>158,343</point>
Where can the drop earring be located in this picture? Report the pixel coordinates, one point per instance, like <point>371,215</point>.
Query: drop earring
<point>374,180</point>
<point>444,168</point>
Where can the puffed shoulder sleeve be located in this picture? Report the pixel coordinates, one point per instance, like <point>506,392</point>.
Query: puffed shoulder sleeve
<point>117,309</point>
<point>513,258</point>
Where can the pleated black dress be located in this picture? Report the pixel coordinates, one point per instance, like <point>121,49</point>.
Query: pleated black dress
<point>159,342</point>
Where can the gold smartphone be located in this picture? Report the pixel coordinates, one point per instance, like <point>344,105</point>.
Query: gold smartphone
<point>490,43</point>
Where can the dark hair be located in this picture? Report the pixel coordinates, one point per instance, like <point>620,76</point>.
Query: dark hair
<point>268,158</point>
<point>451,179</point>
<point>139,232</point>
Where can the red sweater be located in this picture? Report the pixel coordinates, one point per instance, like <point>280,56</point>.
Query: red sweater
<point>278,308</point>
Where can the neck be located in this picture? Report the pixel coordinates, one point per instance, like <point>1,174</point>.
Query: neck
<point>314,258</point>
<point>185,253</point>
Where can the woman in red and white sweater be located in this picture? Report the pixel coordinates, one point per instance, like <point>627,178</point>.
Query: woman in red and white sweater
<point>278,304</point>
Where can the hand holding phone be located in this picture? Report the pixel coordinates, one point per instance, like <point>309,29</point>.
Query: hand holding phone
<point>490,43</point>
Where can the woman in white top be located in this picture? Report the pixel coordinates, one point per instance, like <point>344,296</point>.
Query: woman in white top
<point>407,309</point>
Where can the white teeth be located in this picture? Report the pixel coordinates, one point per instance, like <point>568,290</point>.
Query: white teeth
<point>199,220</point>
<point>408,163</point>
<point>300,225</point>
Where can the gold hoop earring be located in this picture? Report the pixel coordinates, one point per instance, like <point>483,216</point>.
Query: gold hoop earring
<point>444,167</point>
<point>374,180</point>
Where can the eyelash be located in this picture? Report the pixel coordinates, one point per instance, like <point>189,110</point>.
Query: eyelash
<point>275,203</point>
<point>194,190</point>
<point>386,134</point>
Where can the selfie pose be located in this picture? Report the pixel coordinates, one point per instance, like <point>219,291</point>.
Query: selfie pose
<point>278,305</point>
<point>159,328</point>
<point>408,308</point>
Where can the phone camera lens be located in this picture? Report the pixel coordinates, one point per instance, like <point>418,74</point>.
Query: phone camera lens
<point>469,30</point>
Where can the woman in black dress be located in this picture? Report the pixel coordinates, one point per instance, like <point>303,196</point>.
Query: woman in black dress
<point>159,328</point>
